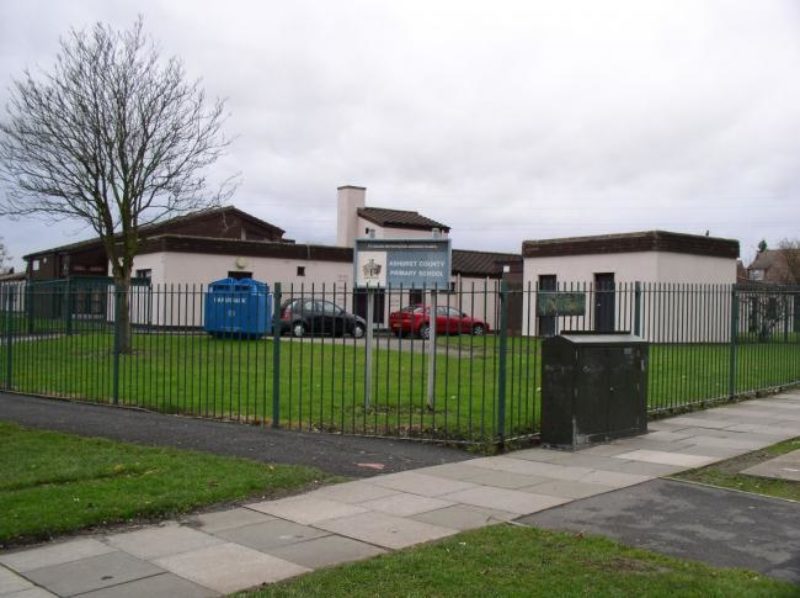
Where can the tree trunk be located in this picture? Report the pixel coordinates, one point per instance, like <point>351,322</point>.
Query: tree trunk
<point>122,313</point>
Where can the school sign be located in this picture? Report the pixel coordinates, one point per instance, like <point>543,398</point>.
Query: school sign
<point>410,263</point>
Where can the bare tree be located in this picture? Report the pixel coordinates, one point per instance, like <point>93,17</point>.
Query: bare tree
<point>4,257</point>
<point>790,249</point>
<point>114,136</point>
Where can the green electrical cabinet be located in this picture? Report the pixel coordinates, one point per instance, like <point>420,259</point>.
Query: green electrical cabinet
<point>594,388</point>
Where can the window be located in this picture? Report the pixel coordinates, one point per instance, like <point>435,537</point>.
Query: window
<point>301,270</point>
<point>146,274</point>
<point>35,265</point>
<point>239,275</point>
<point>328,307</point>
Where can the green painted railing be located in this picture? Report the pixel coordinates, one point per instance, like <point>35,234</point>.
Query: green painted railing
<point>709,343</point>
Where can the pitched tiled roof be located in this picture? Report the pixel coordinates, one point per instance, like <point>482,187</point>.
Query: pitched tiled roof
<point>775,265</point>
<point>164,226</point>
<point>400,219</point>
<point>482,263</point>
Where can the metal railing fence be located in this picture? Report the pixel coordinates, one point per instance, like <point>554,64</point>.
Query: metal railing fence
<point>474,378</point>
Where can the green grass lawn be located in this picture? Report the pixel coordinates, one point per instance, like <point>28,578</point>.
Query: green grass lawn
<point>513,561</point>
<point>322,380</point>
<point>57,483</point>
<point>727,474</point>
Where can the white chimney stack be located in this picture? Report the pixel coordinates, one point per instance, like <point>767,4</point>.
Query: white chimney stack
<point>349,199</point>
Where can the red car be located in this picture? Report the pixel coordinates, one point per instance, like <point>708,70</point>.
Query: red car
<point>415,320</point>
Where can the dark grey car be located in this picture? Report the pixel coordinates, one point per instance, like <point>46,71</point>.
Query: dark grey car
<point>301,317</point>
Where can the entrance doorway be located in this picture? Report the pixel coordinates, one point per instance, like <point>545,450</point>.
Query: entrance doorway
<point>547,324</point>
<point>604,302</point>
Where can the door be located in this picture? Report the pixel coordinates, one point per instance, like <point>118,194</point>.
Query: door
<point>360,305</point>
<point>604,302</point>
<point>331,318</point>
<point>547,324</point>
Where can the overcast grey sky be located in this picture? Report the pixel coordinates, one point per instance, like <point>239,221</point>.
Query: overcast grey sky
<point>505,120</point>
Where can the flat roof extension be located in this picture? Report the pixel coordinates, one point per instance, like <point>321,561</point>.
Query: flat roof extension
<point>654,240</point>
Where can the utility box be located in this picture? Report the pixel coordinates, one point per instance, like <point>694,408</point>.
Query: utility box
<point>238,308</point>
<point>594,388</point>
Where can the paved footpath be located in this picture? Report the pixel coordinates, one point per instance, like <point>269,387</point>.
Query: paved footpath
<point>225,551</point>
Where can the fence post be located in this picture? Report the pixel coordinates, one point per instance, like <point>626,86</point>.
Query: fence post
<point>9,337</point>
<point>637,308</point>
<point>276,356</point>
<point>733,341</point>
<point>117,339</point>
<point>29,308</point>
<point>501,366</point>
<point>432,321</point>
<point>67,307</point>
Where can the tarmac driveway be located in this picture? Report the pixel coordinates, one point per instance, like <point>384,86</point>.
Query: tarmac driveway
<point>720,527</point>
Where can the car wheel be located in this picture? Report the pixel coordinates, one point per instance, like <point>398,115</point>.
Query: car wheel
<point>478,330</point>
<point>358,331</point>
<point>399,333</point>
<point>298,329</point>
<point>424,332</point>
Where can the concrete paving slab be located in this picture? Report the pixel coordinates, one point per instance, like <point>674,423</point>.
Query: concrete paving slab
<point>783,467</point>
<point>464,517</point>
<point>154,542</point>
<point>265,536</point>
<point>698,420</point>
<point>644,468</point>
<point>548,470</point>
<point>503,479</point>
<point>453,471</point>
<point>229,567</point>
<point>543,455</point>
<point>228,519</point>
<point>92,573</point>
<point>157,586</point>
<point>404,504</point>
<point>326,551</point>
<point>33,592</point>
<point>642,442</point>
<point>731,443</point>
<point>667,436</point>
<point>721,527</point>
<point>54,554</point>
<point>353,492</point>
<point>712,451</point>
<point>767,430</point>
<point>606,450</point>
<point>728,433</point>
<point>513,501</point>
<point>665,458</point>
<point>568,489</point>
<point>306,509</point>
<point>581,459</point>
<point>419,483</point>
<point>11,582</point>
<point>386,530</point>
<point>617,479</point>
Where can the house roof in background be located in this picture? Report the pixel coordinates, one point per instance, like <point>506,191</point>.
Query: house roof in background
<point>482,263</point>
<point>217,246</point>
<point>389,218</point>
<point>655,240</point>
<point>775,265</point>
<point>164,226</point>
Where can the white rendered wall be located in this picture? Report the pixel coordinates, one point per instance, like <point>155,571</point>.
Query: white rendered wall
<point>180,278</point>
<point>390,232</point>
<point>680,311</point>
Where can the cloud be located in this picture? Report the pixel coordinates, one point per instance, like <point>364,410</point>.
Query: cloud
<point>507,121</point>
